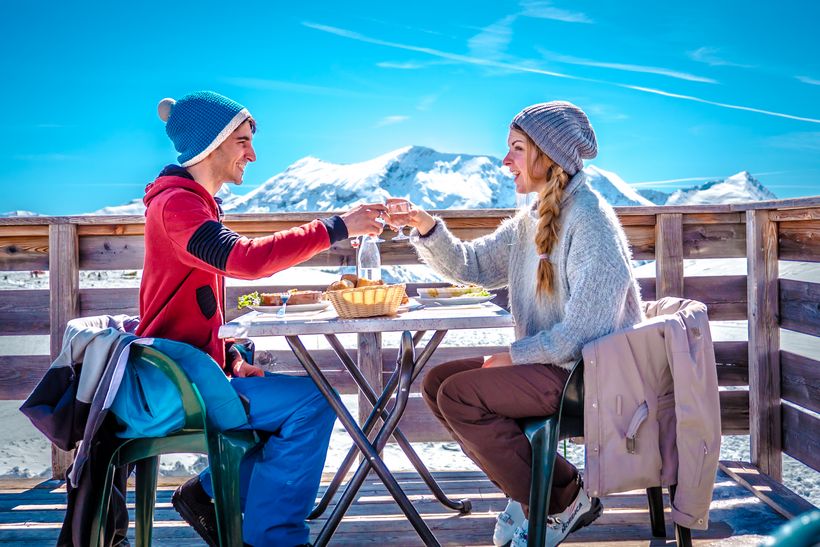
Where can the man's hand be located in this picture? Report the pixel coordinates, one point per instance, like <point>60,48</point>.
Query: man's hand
<point>361,220</point>
<point>415,217</point>
<point>498,360</point>
<point>243,369</point>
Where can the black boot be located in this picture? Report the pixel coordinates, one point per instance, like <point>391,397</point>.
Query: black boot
<point>197,508</point>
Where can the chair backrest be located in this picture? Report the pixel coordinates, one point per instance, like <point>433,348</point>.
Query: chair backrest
<point>572,403</point>
<point>192,404</point>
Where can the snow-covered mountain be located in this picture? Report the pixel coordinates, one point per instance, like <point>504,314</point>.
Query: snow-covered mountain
<point>613,188</point>
<point>739,188</point>
<point>432,179</point>
<point>19,213</point>
<point>436,180</point>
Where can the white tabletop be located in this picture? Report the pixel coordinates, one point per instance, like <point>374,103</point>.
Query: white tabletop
<point>480,316</point>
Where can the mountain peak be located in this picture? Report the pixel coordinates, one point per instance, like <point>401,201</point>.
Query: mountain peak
<point>741,187</point>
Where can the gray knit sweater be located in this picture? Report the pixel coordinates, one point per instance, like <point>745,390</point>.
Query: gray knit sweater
<point>595,291</point>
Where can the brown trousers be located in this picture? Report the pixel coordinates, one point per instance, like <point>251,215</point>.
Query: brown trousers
<point>481,407</point>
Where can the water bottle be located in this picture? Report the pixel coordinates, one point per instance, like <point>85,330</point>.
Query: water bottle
<point>368,259</point>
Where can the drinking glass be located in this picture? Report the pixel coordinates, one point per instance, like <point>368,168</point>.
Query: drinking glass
<point>400,208</point>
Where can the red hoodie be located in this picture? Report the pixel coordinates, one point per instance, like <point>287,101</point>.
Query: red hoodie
<point>188,252</point>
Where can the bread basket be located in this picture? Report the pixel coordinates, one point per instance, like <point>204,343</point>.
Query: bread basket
<point>367,301</point>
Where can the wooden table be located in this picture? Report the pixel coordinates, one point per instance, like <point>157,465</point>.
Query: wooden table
<point>438,319</point>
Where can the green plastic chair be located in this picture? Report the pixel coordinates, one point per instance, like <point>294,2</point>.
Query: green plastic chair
<point>225,452</point>
<point>544,434</point>
<point>802,531</point>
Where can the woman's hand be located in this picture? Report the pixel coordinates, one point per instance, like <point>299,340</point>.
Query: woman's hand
<point>498,360</point>
<point>361,220</point>
<point>243,369</point>
<point>415,217</point>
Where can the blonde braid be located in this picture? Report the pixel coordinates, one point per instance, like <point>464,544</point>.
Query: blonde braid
<point>549,212</point>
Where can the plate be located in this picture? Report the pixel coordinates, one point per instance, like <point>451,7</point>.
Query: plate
<point>293,308</point>
<point>456,300</point>
<point>446,292</point>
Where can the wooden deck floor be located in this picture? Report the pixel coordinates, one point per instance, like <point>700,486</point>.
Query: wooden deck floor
<point>31,514</point>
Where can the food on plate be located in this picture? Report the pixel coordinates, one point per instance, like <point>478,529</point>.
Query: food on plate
<point>296,297</point>
<point>248,300</point>
<point>452,291</point>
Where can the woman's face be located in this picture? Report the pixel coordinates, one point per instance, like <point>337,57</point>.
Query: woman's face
<point>519,158</point>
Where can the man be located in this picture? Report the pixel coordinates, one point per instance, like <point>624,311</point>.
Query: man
<point>188,251</point>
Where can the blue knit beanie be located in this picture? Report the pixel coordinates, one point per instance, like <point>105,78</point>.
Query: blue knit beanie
<point>198,123</point>
<point>562,131</point>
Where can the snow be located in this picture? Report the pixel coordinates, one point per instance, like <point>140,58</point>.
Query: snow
<point>438,180</point>
<point>739,188</point>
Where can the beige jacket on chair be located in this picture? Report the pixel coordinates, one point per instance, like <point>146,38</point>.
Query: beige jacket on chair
<point>652,409</point>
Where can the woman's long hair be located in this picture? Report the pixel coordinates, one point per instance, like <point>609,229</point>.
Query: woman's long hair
<point>540,168</point>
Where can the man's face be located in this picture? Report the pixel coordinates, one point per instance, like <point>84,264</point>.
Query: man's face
<point>231,157</point>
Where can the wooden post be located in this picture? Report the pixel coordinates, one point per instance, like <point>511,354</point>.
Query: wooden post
<point>764,343</point>
<point>370,364</point>
<point>64,296</point>
<point>669,255</point>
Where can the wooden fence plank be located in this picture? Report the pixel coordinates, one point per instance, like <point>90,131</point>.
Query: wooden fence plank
<point>641,241</point>
<point>24,312</point>
<point>19,374</point>
<point>669,250</point>
<point>801,436</point>
<point>111,252</point>
<point>104,301</point>
<point>764,343</point>
<point>786,215</point>
<point>714,241</point>
<point>23,253</point>
<point>800,306</point>
<point>800,380</point>
<point>724,296</point>
<point>734,412</point>
<point>733,363</point>
<point>647,285</point>
<point>369,361</point>
<point>64,291</point>
<point>799,240</point>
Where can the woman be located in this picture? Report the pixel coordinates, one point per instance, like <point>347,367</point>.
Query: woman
<point>567,265</point>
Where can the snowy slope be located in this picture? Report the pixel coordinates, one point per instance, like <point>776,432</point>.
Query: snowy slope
<point>426,177</point>
<point>613,188</point>
<point>435,180</point>
<point>739,188</point>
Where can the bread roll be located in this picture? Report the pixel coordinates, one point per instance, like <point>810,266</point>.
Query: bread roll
<point>341,285</point>
<point>367,282</point>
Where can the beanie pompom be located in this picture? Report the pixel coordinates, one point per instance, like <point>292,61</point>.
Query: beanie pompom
<point>164,108</point>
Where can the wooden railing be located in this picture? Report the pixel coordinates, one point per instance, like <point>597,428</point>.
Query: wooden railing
<point>784,387</point>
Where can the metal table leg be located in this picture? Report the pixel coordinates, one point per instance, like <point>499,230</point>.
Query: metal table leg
<point>370,451</point>
<point>464,506</point>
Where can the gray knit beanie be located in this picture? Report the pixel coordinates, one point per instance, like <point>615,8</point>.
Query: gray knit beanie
<point>562,131</point>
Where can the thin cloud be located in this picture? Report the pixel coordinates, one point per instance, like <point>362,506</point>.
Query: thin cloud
<point>626,67</point>
<point>532,70</point>
<point>426,102</point>
<point>409,65</point>
<point>672,181</point>
<point>545,10</point>
<point>492,41</point>
<point>807,80</point>
<point>278,85</point>
<point>806,141</point>
<point>714,103</point>
<point>709,55</point>
<point>391,120</point>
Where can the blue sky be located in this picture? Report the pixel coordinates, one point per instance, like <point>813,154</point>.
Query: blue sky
<point>689,90</point>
